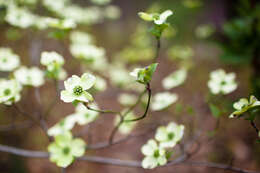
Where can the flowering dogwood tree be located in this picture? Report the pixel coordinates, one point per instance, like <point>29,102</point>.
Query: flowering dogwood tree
<point>170,145</point>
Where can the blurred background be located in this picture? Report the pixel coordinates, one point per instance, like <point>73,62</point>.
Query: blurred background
<point>204,35</point>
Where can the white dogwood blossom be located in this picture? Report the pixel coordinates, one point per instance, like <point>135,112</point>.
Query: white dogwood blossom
<point>10,91</point>
<point>83,115</point>
<point>29,76</point>
<point>221,82</point>
<point>175,79</point>
<point>163,100</point>
<point>158,19</point>
<point>63,126</point>
<point>127,99</point>
<point>51,60</point>
<point>243,105</point>
<point>75,88</point>
<point>8,60</point>
<point>170,135</point>
<point>154,155</point>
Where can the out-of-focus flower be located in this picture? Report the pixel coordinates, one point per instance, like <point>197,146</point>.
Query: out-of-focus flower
<point>83,115</point>
<point>29,76</point>
<point>119,76</point>
<point>19,17</point>
<point>65,149</point>
<point>222,82</point>
<point>243,105</point>
<point>57,5</point>
<point>163,100</point>
<point>126,127</point>
<point>60,23</point>
<point>112,12</point>
<point>180,52</point>
<point>75,88</point>
<point>63,126</point>
<point>10,91</point>
<point>204,31</point>
<point>100,2</point>
<point>175,79</point>
<point>8,60</point>
<point>127,99</point>
<point>87,52</point>
<point>78,37</point>
<point>170,135</point>
<point>154,155</point>
<point>100,84</point>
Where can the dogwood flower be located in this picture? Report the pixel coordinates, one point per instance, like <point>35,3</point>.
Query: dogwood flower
<point>222,82</point>
<point>65,149</point>
<point>29,76</point>
<point>54,62</point>
<point>127,99</point>
<point>63,126</point>
<point>154,155</point>
<point>78,37</point>
<point>175,79</point>
<point>170,135</point>
<point>9,91</point>
<point>144,75</point>
<point>204,31</point>
<point>126,127</point>
<point>158,19</point>
<point>180,52</point>
<point>163,100</point>
<point>83,115</point>
<point>51,60</point>
<point>8,60</point>
<point>75,88</point>
<point>243,105</point>
<point>101,2</point>
<point>100,84</point>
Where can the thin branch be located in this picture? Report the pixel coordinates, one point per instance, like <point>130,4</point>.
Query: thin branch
<point>147,106</point>
<point>158,46</point>
<point>254,126</point>
<point>126,163</point>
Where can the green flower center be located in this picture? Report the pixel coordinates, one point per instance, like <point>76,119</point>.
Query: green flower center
<point>156,153</point>
<point>7,92</point>
<point>78,90</point>
<point>170,136</point>
<point>223,83</point>
<point>66,150</point>
<point>4,60</point>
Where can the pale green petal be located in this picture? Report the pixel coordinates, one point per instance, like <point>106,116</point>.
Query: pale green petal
<point>78,147</point>
<point>66,96</point>
<point>162,160</point>
<point>84,97</point>
<point>87,81</point>
<point>163,17</point>
<point>65,161</point>
<point>161,134</point>
<point>149,163</point>
<point>72,82</point>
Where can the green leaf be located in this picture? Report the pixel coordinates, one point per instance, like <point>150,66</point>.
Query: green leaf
<point>215,110</point>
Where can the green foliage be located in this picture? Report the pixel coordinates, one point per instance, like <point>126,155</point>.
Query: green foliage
<point>216,112</point>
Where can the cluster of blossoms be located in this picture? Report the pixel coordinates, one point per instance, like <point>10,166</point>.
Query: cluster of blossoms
<point>65,149</point>
<point>83,15</point>
<point>221,82</point>
<point>9,91</point>
<point>82,47</point>
<point>24,18</point>
<point>53,63</point>
<point>156,150</point>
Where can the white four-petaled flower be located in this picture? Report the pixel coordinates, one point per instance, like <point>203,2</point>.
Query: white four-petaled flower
<point>163,100</point>
<point>154,155</point>
<point>29,76</point>
<point>170,135</point>
<point>9,91</point>
<point>221,82</point>
<point>75,88</point>
<point>8,60</point>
